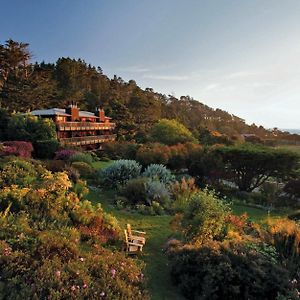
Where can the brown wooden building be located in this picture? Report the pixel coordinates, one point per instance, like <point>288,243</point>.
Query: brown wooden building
<point>75,127</point>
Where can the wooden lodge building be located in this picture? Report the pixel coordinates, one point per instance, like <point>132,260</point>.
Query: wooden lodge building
<point>75,127</point>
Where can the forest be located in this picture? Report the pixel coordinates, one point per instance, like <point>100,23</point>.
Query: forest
<point>25,86</point>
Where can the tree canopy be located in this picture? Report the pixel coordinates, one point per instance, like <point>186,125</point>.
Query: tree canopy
<point>249,166</point>
<point>171,132</point>
<point>26,86</point>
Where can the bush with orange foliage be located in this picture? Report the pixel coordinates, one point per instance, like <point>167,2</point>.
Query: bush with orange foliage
<point>153,154</point>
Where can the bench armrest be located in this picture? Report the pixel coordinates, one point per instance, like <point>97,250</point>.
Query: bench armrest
<point>134,244</point>
<point>141,232</point>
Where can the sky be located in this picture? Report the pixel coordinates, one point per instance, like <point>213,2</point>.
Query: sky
<point>242,56</point>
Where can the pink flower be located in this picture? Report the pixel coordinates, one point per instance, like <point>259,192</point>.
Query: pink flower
<point>81,259</point>
<point>73,288</point>
<point>113,272</point>
<point>57,273</point>
<point>102,294</point>
<point>84,286</point>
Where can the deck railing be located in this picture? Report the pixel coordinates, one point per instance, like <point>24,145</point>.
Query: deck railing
<point>72,126</point>
<point>87,140</point>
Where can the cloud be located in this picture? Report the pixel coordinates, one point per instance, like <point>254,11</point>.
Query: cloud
<point>211,86</point>
<point>167,77</point>
<point>240,74</point>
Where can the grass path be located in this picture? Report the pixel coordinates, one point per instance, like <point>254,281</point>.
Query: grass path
<point>158,232</point>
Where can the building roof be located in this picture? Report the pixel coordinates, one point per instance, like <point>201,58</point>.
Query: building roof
<point>61,112</point>
<point>50,112</point>
<point>86,114</point>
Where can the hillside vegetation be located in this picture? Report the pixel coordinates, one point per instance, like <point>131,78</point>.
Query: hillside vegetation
<point>26,86</point>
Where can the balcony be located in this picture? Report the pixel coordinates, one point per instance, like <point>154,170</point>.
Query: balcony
<point>73,126</point>
<point>87,140</point>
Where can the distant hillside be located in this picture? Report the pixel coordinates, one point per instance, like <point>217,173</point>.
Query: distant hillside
<point>26,86</point>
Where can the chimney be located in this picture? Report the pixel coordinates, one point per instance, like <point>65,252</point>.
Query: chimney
<point>73,110</point>
<point>99,112</point>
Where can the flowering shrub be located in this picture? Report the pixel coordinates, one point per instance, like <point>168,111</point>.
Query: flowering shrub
<point>159,173</point>
<point>45,230</point>
<point>120,172</point>
<point>20,172</point>
<point>17,148</point>
<point>64,154</point>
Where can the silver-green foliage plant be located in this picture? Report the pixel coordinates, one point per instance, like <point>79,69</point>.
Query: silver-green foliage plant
<point>158,172</point>
<point>156,191</point>
<point>120,172</point>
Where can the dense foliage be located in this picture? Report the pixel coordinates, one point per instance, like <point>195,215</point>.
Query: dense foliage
<point>250,166</point>
<point>26,86</point>
<point>45,230</point>
<point>233,271</point>
<point>171,132</point>
<point>120,172</point>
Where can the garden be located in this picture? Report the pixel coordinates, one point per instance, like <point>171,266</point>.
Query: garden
<point>220,220</point>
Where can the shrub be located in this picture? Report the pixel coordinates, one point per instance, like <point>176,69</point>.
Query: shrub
<point>46,148</point>
<point>292,188</point>
<point>153,154</point>
<point>134,191</point>
<point>157,192</point>
<point>17,148</point>
<point>178,157</point>
<point>120,172</point>
<point>19,172</point>
<point>26,127</point>
<point>182,191</point>
<point>84,169</point>
<point>160,173</point>
<point>55,165</point>
<point>226,271</point>
<point>204,217</point>
<point>140,192</point>
<point>117,150</point>
<point>82,157</point>
<point>73,173</point>
<point>64,154</point>
<point>285,236</point>
<point>52,243</point>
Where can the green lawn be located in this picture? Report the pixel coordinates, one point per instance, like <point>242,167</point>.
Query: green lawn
<point>102,164</point>
<point>158,232</point>
<point>256,214</point>
<point>291,148</point>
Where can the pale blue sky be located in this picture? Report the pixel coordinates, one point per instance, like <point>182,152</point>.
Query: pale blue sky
<point>239,55</point>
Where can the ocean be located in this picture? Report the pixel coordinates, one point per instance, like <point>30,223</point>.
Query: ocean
<point>297,131</point>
